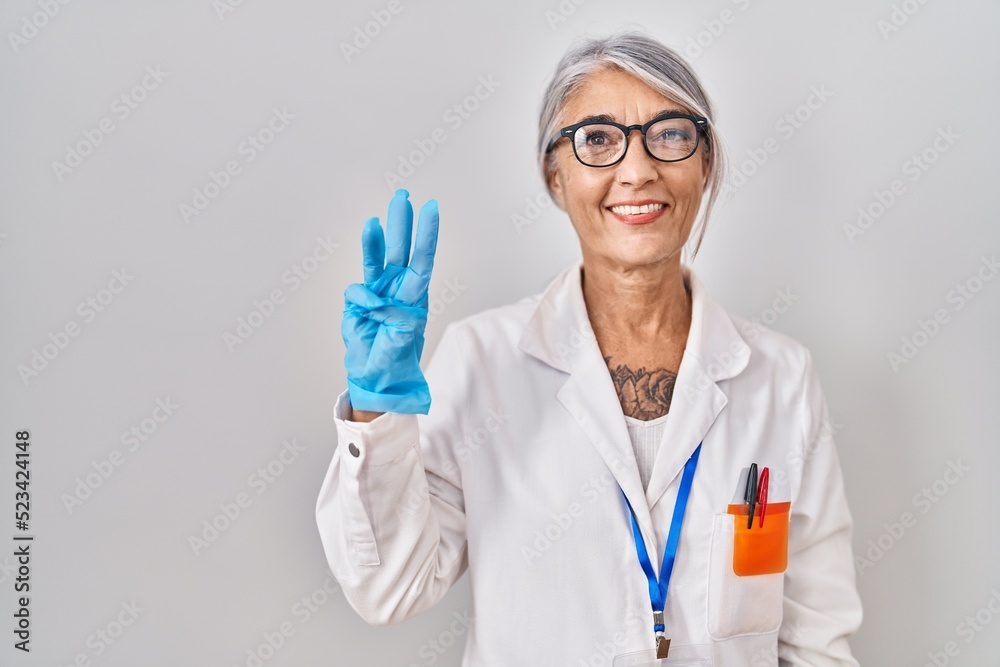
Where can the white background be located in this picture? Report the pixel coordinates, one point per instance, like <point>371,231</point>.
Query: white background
<point>62,235</point>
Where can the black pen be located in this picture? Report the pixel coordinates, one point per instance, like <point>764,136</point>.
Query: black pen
<point>751,492</point>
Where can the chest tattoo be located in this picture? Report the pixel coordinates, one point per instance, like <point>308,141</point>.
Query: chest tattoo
<point>644,393</point>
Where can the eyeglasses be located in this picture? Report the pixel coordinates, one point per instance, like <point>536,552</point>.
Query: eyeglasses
<point>671,137</point>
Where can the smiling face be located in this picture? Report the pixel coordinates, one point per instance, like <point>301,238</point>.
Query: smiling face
<point>599,200</point>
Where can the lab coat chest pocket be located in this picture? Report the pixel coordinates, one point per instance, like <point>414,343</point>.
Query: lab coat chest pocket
<point>739,605</point>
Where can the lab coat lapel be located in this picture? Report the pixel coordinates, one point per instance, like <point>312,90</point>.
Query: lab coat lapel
<point>559,333</point>
<point>714,351</point>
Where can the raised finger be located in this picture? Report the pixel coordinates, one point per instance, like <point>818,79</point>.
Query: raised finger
<point>399,229</point>
<point>373,250</point>
<point>415,282</point>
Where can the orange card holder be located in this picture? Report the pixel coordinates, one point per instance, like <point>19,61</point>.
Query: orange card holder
<point>760,549</point>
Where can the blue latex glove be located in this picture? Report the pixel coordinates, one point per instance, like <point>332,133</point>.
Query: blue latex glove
<point>385,316</point>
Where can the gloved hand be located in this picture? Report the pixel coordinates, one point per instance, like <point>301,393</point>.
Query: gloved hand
<point>385,316</point>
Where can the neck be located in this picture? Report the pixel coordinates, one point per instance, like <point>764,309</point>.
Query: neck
<point>642,304</point>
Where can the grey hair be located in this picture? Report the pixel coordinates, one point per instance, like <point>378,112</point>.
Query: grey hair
<point>657,65</point>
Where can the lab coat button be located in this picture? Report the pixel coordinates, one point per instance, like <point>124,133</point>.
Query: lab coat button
<point>353,449</point>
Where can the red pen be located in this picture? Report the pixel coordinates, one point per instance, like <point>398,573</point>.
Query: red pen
<point>762,494</point>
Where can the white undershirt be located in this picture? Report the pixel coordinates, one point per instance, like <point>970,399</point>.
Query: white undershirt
<point>646,437</point>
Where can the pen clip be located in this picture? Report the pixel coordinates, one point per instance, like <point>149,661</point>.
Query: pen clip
<point>750,495</point>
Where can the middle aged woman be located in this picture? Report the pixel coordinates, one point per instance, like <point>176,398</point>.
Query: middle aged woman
<point>592,443</point>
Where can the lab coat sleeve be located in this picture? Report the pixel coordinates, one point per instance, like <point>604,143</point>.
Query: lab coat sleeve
<point>821,603</point>
<point>391,512</point>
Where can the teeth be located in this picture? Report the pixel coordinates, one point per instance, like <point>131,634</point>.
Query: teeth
<point>636,210</point>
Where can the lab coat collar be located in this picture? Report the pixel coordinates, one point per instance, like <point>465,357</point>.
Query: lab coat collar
<point>559,334</point>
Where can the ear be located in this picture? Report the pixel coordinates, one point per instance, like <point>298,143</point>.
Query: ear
<point>555,188</point>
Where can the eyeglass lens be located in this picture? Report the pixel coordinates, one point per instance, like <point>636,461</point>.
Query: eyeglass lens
<point>669,139</point>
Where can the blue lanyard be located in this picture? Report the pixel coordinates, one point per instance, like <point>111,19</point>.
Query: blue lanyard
<point>658,590</point>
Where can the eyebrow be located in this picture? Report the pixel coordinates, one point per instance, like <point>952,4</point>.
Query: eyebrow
<point>608,118</point>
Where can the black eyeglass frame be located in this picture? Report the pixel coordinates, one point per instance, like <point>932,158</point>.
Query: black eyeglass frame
<point>700,123</point>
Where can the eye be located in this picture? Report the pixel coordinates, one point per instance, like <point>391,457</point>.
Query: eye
<point>672,135</point>
<point>597,138</point>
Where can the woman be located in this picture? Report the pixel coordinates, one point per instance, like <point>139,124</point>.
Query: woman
<point>579,435</point>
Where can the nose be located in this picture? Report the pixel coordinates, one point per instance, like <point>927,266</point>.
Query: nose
<point>637,167</point>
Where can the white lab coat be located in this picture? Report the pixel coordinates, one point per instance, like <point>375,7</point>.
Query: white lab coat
<point>514,475</point>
